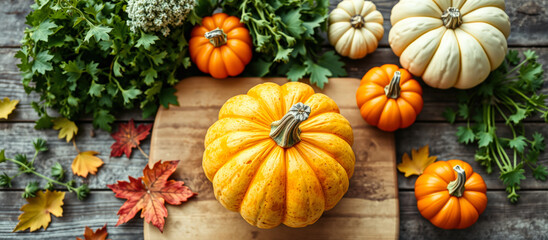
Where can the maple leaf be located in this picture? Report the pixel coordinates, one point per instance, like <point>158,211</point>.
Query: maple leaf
<point>149,193</point>
<point>6,107</point>
<point>420,160</point>
<point>128,137</point>
<point>99,234</point>
<point>67,128</point>
<point>36,213</point>
<point>86,162</point>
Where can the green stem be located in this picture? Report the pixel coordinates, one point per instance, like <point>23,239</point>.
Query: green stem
<point>70,188</point>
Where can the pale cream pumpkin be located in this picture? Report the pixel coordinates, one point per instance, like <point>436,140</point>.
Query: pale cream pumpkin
<point>355,28</point>
<point>450,43</point>
<point>279,154</point>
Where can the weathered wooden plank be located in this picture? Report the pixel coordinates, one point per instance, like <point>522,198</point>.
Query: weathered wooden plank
<point>528,19</point>
<point>18,137</point>
<point>501,220</point>
<point>436,100</point>
<point>99,209</point>
<point>443,143</point>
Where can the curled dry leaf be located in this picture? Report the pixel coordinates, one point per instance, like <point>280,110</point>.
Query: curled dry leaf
<point>128,137</point>
<point>86,162</point>
<point>6,107</point>
<point>99,234</point>
<point>415,166</point>
<point>36,213</point>
<point>148,193</point>
<point>67,128</point>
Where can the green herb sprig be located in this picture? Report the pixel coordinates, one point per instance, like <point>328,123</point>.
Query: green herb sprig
<point>82,58</point>
<point>287,34</point>
<point>27,167</point>
<point>509,93</point>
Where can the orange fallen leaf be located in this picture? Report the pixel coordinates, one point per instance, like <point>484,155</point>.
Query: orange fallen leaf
<point>36,213</point>
<point>128,137</point>
<point>6,107</point>
<point>86,162</point>
<point>415,166</point>
<point>99,234</point>
<point>149,193</point>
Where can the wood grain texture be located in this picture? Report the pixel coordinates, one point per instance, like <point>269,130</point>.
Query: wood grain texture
<point>370,203</point>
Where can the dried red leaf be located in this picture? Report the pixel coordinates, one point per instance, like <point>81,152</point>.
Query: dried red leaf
<point>128,137</point>
<point>99,234</point>
<point>148,193</point>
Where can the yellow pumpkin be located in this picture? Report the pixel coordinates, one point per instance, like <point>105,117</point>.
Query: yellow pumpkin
<point>279,154</point>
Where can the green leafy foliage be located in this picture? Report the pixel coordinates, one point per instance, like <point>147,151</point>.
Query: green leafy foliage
<point>510,93</point>
<point>82,58</point>
<point>27,167</point>
<point>286,34</point>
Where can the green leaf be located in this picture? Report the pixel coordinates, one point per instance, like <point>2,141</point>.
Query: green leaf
<point>258,68</point>
<point>42,63</point>
<point>2,156</point>
<point>31,189</point>
<point>167,97</point>
<point>530,55</point>
<point>463,111</point>
<point>130,93</point>
<point>117,69</point>
<point>540,173</point>
<point>150,74</point>
<point>314,23</point>
<point>73,69</point>
<point>484,139</point>
<point>283,54</point>
<point>538,142</point>
<point>95,89</point>
<point>333,62</point>
<point>450,115</point>
<point>40,145</point>
<point>296,72</point>
<point>45,122</point>
<point>465,135</point>
<point>513,57</point>
<point>99,32</point>
<point>293,22</point>
<point>57,171</point>
<point>518,116</point>
<point>518,143</point>
<point>158,59</point>
<point>318,74</point>
<point>43,31</point>
<point>532,157</point>
<point>103,119</point>
<point>146,40</point>
<point>513,177</point>
<point>5,180</point>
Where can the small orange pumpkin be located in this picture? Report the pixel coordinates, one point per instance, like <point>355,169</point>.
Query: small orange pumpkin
<point>221,46</point>
<point>450,194</point>
<point>389,98</point>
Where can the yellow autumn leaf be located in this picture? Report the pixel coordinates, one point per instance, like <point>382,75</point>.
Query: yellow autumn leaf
<point>6,107</point>
<point>36,213</point>
<point>67,128</point>
<point>418,162</point>
<point>86,162</point>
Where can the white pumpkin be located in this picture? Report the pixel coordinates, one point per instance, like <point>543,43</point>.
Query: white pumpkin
<point>355,28</point>
<point>450,43</point>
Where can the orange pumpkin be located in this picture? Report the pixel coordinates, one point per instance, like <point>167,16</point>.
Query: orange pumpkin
<point>450,194</point>
<point>221,46</point>
<point>389,98</point>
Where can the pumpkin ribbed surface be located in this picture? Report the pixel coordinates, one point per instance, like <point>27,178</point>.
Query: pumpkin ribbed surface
<point>269,184</point>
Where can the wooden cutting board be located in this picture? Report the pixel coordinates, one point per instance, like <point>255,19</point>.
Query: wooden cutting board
<point>369,210</point>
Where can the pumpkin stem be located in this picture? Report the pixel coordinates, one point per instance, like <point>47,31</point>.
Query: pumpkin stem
<point>393,89</point>
<point>216,37</point>
<point>456,187</point>
<point>285,132</point>
<point>357,21</point>
<point>451,18</point>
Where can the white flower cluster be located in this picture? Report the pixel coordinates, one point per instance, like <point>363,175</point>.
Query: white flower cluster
<point>157,15</point>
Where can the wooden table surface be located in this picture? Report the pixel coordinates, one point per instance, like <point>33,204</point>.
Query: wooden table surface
<point>526,220</point>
